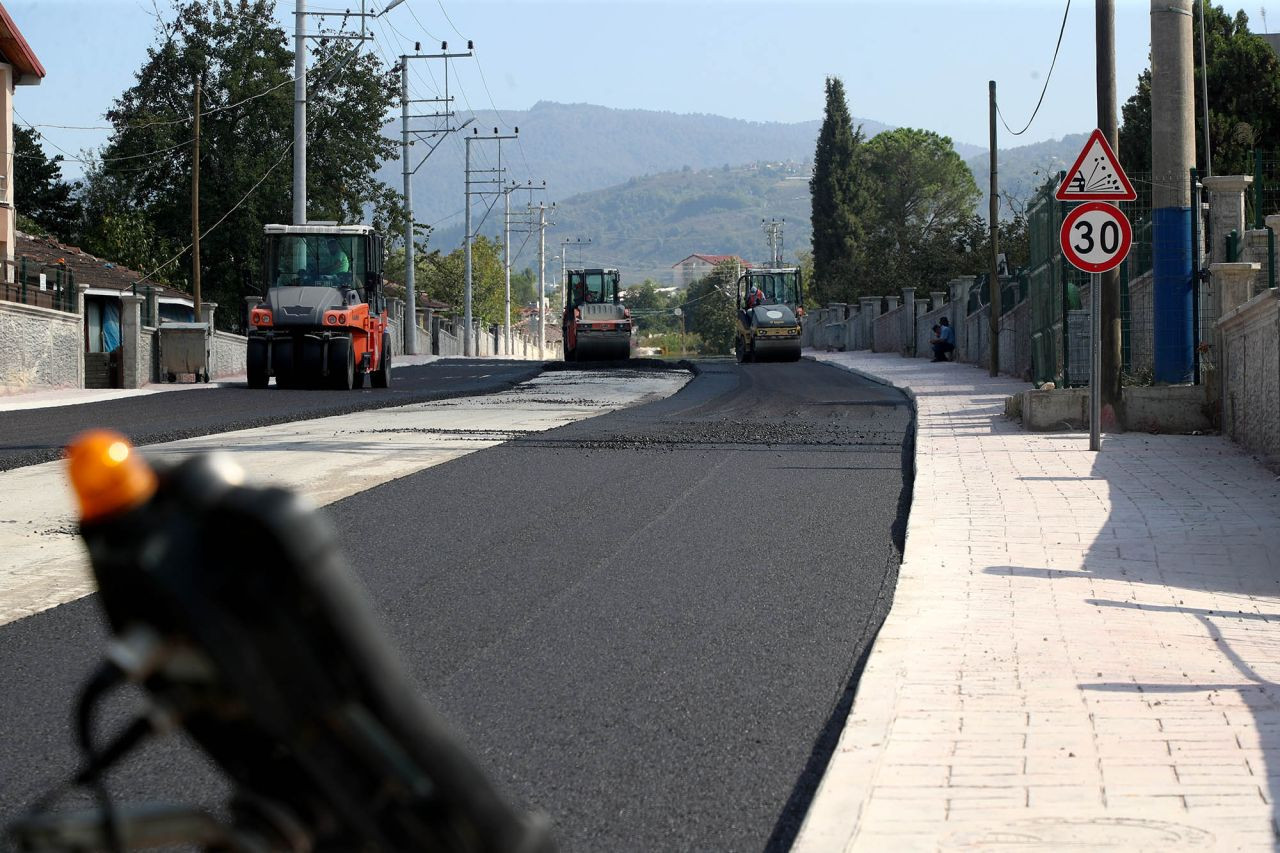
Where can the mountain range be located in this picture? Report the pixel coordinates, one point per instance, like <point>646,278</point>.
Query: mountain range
<point>650,188</point>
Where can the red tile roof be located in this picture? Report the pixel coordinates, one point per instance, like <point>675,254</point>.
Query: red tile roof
<point>17,51</point>
<point>86,268</point>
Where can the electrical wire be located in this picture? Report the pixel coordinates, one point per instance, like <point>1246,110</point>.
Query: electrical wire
<point>1047,78</point>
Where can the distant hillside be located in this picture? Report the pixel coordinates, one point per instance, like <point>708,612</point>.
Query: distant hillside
<point>1024,169</point>
<point>644,226</point>
<point>577,148</point>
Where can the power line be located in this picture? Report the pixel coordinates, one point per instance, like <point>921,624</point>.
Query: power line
<point>1047,78</point>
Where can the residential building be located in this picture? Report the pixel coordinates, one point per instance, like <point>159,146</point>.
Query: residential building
<point>694,267</point>
<point>18,67</point>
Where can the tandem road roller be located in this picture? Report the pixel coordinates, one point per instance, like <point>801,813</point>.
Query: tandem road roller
<point>323,322</point>
<point>769,311</point>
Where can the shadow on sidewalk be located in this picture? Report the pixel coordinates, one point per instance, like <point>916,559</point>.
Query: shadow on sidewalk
<point>1190,551</point>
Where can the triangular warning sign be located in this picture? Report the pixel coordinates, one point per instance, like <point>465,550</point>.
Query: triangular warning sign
<point>1096,175</point>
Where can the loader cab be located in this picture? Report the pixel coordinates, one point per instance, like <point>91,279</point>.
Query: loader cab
<point>593,287</point>
<point>347,258</point>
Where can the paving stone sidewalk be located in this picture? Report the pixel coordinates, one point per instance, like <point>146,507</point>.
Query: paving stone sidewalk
<point>1083,650</point>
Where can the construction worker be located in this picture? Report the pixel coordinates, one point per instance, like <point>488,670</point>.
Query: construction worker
<point>333,258</point>
<point>754,297</point>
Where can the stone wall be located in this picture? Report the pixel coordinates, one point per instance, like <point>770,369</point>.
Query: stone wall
<point>42,348</point>
<point>887,336</point>
<point>1251,376</point>
<point>149,355</point>
<point>227,354</point>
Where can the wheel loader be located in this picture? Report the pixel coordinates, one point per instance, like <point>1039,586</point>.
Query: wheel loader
<point>596,325</point>
<point>770,305</point>
<point>323,323</point>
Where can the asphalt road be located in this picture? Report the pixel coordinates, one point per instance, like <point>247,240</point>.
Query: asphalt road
<point>648,624</point>
<point>38,435</point>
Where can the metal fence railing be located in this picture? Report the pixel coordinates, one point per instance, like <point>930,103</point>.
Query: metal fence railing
<point>1265,196</point>
<point>44,285</point>
<point>1060,315</point>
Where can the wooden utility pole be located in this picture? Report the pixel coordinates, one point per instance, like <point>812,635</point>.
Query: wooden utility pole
<point>1109,329</point>
<point>994,214</point>
<point>195,204</point>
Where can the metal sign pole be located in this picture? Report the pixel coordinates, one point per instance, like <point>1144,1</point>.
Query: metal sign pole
<point>1095,361</point>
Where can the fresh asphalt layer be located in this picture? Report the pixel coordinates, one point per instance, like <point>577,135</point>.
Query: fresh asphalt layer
<point>28,437</point>
<point>647,624</point>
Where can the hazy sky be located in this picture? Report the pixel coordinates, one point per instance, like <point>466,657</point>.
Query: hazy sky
<point>904,62</point>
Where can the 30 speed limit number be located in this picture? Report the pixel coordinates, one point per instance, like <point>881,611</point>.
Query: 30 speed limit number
<point>1096,237</point>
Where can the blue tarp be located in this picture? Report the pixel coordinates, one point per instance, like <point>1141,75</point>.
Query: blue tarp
<point>110,325</point>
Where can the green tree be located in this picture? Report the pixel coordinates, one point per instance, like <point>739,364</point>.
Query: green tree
<point>973,244</point>
<point>524,288</point>
<point>1244,99</point>
<point>443,278</point>
<point>652,310</point>
<point>709,309</point>
<point>39,192</point>
<point>239,55</point>
<point>839,201</point>
<point>924,198</point>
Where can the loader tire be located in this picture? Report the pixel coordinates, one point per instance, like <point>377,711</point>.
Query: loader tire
<point>284,364</point>
<point>256,364</point>
<point>381,378</point>
<point>310,372</point>
<point>342,364</point>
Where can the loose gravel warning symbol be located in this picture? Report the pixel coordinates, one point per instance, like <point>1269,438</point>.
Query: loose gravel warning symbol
<point>1096,175</point>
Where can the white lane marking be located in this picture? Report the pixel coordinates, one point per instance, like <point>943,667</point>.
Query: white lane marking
<point>42,561</point>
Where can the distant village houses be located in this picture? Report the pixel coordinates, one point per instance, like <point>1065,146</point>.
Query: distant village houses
<point>694,267</point>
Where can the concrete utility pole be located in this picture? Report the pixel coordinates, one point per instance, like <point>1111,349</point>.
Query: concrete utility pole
<point>442,130</point>
<point>993,213</point>
<point>542,280</point>
<point>410,293</point>
<point>468,344</point>
<point>195,205</point>
<point>1204,90</point>
<point>506,267</point>
<point>773,229</point>
<point>300,112</point>
<point>1108,324</point>
<point>525,220</point>
<point>564,267</point>
<point>1172,157</point>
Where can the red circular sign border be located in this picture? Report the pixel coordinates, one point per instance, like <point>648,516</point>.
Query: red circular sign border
<point>1126,237</point>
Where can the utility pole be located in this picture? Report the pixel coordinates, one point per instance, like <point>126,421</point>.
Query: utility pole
<point>468,344</point>
<point>1107,326</point>
<point>773,228</point>
<point>195,205</point>
<point>300,37</point>
<point>564,266</point>
<point>1204,90</point>
<point>1172,157</point>
<point>443,129</point>
<point>506,238</point>
<point>300,112</point>
<point>542,280</point>
<point>506,267</point>
<point>994,213</point>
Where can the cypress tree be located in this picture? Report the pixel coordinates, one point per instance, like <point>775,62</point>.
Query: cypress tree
<point>839,201</point>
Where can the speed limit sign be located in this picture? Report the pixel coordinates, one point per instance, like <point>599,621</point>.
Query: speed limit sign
<point>1096,237</point>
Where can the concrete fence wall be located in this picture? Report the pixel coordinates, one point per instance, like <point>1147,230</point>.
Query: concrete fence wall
<point>907,328</point>
<point>1250,371</point>
<point>227,354</point>
<point>887,328</point>
<point>41,348</point>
